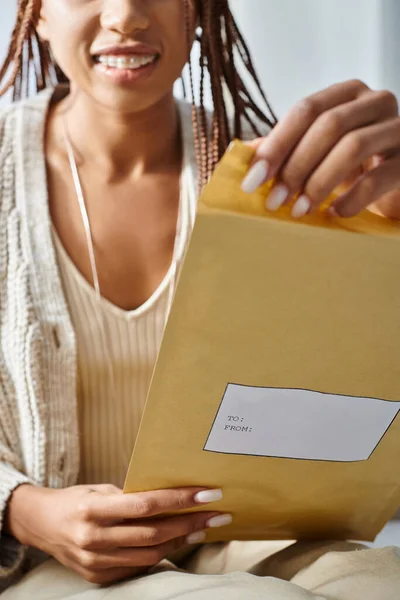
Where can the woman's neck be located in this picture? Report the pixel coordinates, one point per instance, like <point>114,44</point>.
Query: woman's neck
<point>122,144</point>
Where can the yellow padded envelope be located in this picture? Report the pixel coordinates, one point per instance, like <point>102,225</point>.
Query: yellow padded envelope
<point>278,378</point>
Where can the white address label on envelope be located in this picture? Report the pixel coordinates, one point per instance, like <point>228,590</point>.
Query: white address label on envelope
<point>299,424</point>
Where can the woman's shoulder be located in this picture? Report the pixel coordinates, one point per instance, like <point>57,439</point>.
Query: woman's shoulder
<point>7,127</point>
<point>11,124</point>
<point>8,134</point>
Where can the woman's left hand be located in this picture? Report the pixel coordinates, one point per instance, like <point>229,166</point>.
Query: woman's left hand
<point>346,133</point>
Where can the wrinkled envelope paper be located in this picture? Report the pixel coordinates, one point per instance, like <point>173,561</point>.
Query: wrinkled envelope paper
<point>278,377</point>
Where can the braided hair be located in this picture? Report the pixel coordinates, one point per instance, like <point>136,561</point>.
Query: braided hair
<point>224,55</point>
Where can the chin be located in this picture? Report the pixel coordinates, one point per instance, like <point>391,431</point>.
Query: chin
<point>131,97</point>
<point>128,102</point>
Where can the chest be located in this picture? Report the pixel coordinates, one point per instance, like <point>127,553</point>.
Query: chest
<point>133,227</point>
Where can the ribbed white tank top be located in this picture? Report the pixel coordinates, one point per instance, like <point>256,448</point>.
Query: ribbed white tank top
<point>134,338</point>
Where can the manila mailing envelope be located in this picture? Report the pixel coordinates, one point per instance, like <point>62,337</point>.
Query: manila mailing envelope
<point>278,378</point>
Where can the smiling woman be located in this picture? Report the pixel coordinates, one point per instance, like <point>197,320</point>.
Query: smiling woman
<point>45,48</point>
<point>99,176</point>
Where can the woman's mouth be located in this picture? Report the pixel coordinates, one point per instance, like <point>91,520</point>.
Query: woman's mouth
<point>125,69</point>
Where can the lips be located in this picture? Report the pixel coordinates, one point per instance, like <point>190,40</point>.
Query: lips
<point>125,64</point>
<point>127,56</point>
<point>126,50</point>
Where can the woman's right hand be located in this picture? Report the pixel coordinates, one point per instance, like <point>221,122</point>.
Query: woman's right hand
<point>103,534</point>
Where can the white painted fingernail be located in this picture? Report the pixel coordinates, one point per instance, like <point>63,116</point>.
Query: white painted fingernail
<point>277,197</point>
<point>196,537</point>
<point>255,177</point>
<point>207,496</point>
<point>301,207</point>
<point>219,521</point>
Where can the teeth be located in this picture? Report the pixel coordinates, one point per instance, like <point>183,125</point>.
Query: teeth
<point>125,62</point>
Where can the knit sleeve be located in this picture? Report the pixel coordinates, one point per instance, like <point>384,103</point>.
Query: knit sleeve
<point>11,461</point>
<point>12,553</point>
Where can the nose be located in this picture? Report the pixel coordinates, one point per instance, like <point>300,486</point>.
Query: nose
<point>125,16</point>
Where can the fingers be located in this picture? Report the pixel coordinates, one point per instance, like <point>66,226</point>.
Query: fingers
<point>152,532</point>
<point>128,557</point>
<point>134,539</point>
<point>348,154</point>
<point>145,504</point>
<point>327,131</point>
<point>107,576</point>
<point>276,148</point>
<point>146,548</point>
<point>325,141</point>
<point>369,189</point>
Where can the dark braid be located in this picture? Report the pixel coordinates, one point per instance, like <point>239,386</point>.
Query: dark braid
<point>20,40</point>
<point>27,51</point>
<point>224,55</point>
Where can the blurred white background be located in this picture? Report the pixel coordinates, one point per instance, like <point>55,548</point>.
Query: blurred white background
<point>304,45</point>
<point>300,46</point>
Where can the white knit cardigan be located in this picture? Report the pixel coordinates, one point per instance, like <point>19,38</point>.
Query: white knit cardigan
<point>38,405</point>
